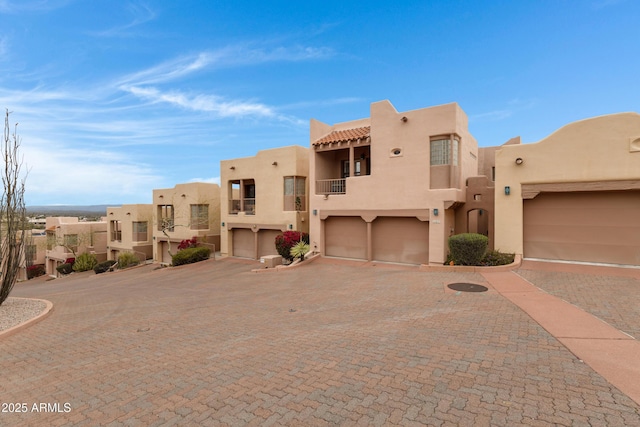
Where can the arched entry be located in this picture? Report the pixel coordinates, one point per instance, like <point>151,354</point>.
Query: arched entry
<point>478,221</point>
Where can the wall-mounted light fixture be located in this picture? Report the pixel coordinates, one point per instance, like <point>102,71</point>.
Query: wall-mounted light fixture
<point>519,161</point>
<point>435,212</point>
<point>507,190</point>
<point>290,226</point>
<point>222,224</point>
<point>315,212</point>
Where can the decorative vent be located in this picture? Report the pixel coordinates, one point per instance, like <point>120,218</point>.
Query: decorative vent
<point>395,152</point>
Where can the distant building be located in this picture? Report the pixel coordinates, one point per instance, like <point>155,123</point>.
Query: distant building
<point>185,211</point>
<point>130,230</point>
<point>67,237</point>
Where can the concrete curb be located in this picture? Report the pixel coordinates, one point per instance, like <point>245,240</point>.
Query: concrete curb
<point>46,312</point>
<point>306,261</point>
<point>472,269</point>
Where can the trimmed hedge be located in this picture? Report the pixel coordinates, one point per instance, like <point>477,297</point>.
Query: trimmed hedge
<point>191,255</point>
<point>36,270</point>
<point>468,248</point>
<point>65,268</point>
<point>493,258</point>
<point>127,259</point>
<point>103,266</point>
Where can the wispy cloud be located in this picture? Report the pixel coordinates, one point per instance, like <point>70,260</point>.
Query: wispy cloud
<point>213,180</point>
<point>513,106</point>
<point>8,6</point>
<point>208,103</point>
<point>141,13</point>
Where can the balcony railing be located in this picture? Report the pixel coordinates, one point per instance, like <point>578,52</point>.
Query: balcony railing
<point>249,206</point>
<point>331,186</point>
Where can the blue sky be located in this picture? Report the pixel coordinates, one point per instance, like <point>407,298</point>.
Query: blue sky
<point>115,98</point>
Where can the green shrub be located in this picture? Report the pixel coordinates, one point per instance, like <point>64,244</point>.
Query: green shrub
<point>468,248</point>
<point>287,240</point>
<point>191,255</point>
<point>299,250</point>
<point>103,266</point>
<point>85,262</point>
<point>65,268</point>
<point>493,258</point>
<point>127,259</point>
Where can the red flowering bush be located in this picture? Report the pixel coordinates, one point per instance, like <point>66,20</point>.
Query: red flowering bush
<point>188,243</point>
<point>35,271</point>
<point>287,240</point>
<point>70,261</point>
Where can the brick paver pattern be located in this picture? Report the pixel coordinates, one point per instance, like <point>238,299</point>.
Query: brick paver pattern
<point>616,300</point>
<point>324,344</point>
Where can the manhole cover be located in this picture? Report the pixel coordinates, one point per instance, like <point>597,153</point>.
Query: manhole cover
<point>467,287</point>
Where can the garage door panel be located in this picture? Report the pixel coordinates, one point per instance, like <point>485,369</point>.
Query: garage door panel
<point>345,237</point>
<point>584,226</point>
<point>267,242</point>
<point>243,243</point>
<point>400,239</point>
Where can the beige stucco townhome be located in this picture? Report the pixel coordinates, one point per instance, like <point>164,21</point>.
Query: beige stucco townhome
<point>573,196</point>
<point>129,230</point>
<point>68,237</point>
<point>386,188</point>
<point>182,212</point>
<point>262,196</point>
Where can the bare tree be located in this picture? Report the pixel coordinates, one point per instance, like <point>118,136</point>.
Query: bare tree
<point>13,212</point>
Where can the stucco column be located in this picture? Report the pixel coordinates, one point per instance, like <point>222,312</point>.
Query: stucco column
<point>255,243</point>
<point>369,242</point>
<point>453,170</point>
<point>241,195</point>
<point>351,159</point>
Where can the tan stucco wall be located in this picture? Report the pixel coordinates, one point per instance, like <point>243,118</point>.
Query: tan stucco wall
<point>92,237</point>
<point>605,148</point>
<point>182,196</point>
<point>269,182</point>
<point>397,182</point>
<point>127,215</point>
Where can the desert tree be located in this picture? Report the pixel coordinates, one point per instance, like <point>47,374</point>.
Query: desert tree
<point>12,211</point>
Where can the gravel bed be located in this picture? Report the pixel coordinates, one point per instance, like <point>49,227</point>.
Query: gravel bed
<point>15,311</point>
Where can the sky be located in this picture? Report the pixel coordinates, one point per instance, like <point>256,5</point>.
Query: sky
<point>115,98</point>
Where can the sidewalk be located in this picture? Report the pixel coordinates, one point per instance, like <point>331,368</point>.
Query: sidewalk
<point>611,353</point>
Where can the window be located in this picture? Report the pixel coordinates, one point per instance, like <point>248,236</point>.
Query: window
<point>71,242</point>
<point>295,193</point>
<point>116,231</point>
<point>442,153</point>
<point>199,217</point>
<point>51,240</point>
<point>165,217</point>
<point>140,231</point>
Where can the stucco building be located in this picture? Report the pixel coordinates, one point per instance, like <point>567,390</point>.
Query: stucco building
<point>262,196</point>
<point>182,212</point>
<point>130,230</point>
<point>387,187</point>
<point>573,196</point>
<point>68,237</point>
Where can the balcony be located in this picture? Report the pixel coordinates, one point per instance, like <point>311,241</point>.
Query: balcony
<point>248,206</point>
<point>331,186</point>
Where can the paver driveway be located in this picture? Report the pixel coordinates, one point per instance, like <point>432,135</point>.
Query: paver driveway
<point>324,344</point>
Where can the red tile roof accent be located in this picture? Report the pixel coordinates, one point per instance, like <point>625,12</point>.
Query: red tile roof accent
<point>345,135</point>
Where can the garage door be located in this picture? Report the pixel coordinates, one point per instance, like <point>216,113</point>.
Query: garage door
<point>404,240</point>
<point>345,237</point>
<point>267,242</point>
<point>243,243</point>
<point>584,226</point>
